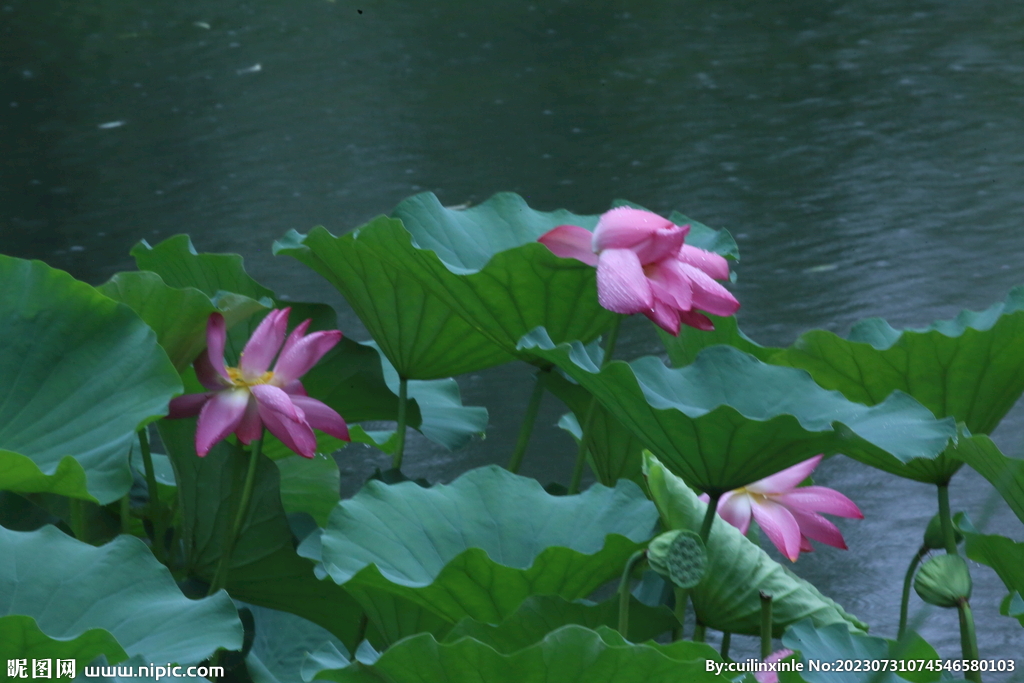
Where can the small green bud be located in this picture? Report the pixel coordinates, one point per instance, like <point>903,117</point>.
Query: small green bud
<point>933,539</point>
<point>944,581</point>
<point>679,555</point>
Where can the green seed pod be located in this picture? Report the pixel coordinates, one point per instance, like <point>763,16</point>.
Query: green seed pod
<point>933,539</point>
<point>944,581</point>
<point>680,556</point>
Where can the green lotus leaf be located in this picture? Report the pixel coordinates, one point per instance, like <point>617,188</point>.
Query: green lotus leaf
<point>21,638</point>
<point>571,654</point>
<point>118,587</point>
<point>418,558</point>
<point>1003,555</point>
<point>728,597</point>
<point>970,368</point>
<point>1005,474</point>
<point>1013,606</point>
<point>542,614</point>
<point>81,374</point>
<point>728,419</point>
<point>281,645</point>
<point>309,485</point>
<point>178,316</point>
<point>685,348</point>
<point>265,570</point>
<point>834,643</point>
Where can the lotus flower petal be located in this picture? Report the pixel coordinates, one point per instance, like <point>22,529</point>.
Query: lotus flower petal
<point>570,241</point>
<point>709,262</point>
<point>735,509</point>
<point>264,344</point>
<point>779,525</point>
<point>708,295</point>
<point>216,335</point>
<point>277,400</point>
<point>219,417</point>
<point>622,286</point>
<point>322,417</point>
<point>296,435</point>
<point>821,499</point>
<point>787,479</point>
<point>304,354</point>
<point>188,405</point>
<point>817,528</point>
<point>626,228</point>
<point>664,316</point>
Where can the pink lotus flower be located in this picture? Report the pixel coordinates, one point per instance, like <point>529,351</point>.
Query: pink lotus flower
<point>244,399</point>
<point>644,267</point>
<point>788,515</point>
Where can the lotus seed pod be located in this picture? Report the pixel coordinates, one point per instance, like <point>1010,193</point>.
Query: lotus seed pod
<point>933,539</point>
<point>680,556</point>
<point>944,581</point>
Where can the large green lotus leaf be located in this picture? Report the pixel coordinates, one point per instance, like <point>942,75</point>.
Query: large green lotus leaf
<point>421,336</point>
<point>1005,474</point>
<point>830,644</point>
<point>1003,555</point>
<point>281,645</point>
<point>80,374</point>
<point>728,597</point>
<point>542,614</point>
<point>118,587</point>
<point>265,570</point>
<point>970,368</point>
<point>614,451</point>
<point>728,419</point>
<point>475,548</point>
<point>572,654</point>
<point>178,316</point>
<point>21,638</point>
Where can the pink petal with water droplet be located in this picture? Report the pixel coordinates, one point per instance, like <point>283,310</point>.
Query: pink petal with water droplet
<point>297,436</point>
<point>818,528</point>
<point>570,241</point>
<point>708,295</point>
<point>709,262</point>
<point>779,525</point>
<point>275,399</point>
<point>821,499</point>
<point>694,319</point>
<point>626,227</point>
<point>295,337</point>
<point>664,316</point>
<point>251,427</point>
<point>621,284</point>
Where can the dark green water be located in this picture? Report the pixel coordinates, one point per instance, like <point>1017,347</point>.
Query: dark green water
<point>867,155</point>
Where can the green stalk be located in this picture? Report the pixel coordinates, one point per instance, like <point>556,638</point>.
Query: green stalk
<point>709,518</point>
<point>698,632</point>
<point>627,572</point>
<point>156,515</point>
<point>682,596</point>
<point>77,522</point>
<point>126,510</point>
<point>403,394</point>
<point>726,641</point>
<point>220,578</point>
<point>968,638</point>
<point>946,520</point>
<point>907,581</point>
<point>526,429</point>
<point>581,453</point>
<point>766,626</point>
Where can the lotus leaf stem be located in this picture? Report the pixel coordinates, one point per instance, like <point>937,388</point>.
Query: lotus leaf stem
<point>709,519</point>
<point>946,520</point>
<point>766,626</point>
<point>221,576</point>
<point>726,641</point>
<point>588,421</point>
<point>526,429</point>
<point>907,581</point>
<point>156,513</point>
<point>968,638</point>
<point>403,400</point>
<point>624,593</point>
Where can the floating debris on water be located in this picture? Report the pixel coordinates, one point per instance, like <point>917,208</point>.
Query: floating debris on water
<point>824,268</point>
<point>251,70</point>
<point>111,124</point>
<point>77,248</point>
<point>201,24</point>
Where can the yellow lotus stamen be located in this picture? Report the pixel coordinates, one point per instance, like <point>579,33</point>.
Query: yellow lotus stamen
<point>238,380</point>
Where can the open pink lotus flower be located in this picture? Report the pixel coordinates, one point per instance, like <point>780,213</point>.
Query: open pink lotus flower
<point>788,515</point>
<point>244,399</point>
<point>644,267</point>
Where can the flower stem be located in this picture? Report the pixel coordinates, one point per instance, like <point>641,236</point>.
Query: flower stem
<point>946,520</point>
<point>126,511</point>
<point>698,632</point>
<point>682,595</point>
<point>528,420</point>
<point>726,641</point>
<point>709,518</point>
<point>634,559</point>
<point>766,626</point>
<point>156,515</point>
<point>77,519</point>
<point>220,578</point>
<point>968,638</point>
<point>907,580</point>
<point>403,396</point>
<point>588,421</point>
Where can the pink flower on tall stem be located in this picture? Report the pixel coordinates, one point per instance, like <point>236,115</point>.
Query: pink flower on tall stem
<point>243,400</point>
<point>787,512</point>
<point>643,266</point>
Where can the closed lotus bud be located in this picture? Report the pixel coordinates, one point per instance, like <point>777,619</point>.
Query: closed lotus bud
<point>944,581</point>
<point>933,539</point>
<point>680,556</point>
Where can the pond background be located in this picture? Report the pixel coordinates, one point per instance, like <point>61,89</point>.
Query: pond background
<point>868,156</point>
